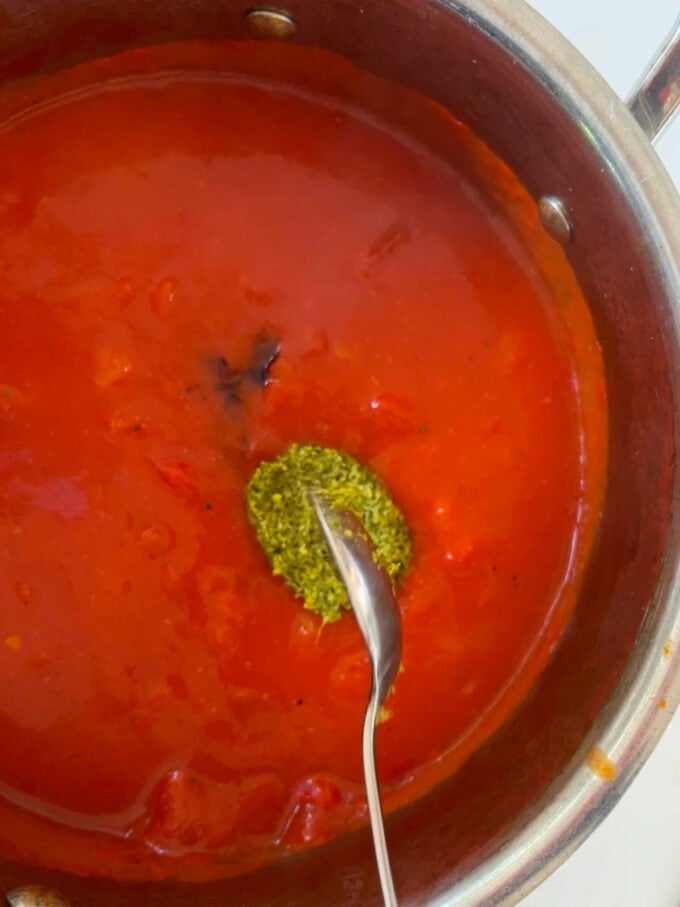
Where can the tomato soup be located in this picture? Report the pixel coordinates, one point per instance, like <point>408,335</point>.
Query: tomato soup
<point>168,707</point>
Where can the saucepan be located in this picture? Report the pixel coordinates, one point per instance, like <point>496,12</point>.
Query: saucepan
<point>537,788</point>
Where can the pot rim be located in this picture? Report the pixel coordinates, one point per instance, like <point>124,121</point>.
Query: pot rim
<point>634,719</point>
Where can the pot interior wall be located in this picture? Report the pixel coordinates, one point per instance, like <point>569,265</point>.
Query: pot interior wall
<point>444,52</point>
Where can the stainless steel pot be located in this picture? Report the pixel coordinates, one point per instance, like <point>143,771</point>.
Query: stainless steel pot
<point>528,797</point>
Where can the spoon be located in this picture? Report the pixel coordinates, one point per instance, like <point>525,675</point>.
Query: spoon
<point>371,595</point>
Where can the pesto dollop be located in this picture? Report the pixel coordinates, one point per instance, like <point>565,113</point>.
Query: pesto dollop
<point>286,526</point>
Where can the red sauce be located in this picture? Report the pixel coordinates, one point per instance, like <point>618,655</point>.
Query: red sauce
<point>168,707</point>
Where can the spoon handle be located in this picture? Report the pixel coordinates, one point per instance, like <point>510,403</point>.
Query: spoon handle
<point>370,592</point>
<point>656,97</point>
<point>374,805</point>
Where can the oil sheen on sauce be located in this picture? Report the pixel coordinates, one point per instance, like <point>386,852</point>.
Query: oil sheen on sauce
<point>168,708</point>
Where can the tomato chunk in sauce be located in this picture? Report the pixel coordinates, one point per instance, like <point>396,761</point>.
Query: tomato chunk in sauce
<point>168,708</point>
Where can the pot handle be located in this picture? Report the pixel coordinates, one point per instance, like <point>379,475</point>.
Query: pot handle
<point>656,97</point>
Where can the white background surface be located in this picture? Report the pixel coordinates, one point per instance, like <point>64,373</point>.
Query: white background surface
<point>633,859</point>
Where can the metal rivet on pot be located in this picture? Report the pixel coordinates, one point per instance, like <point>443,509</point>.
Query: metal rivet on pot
<point>35,896</point>
<point>555,219</point>
<point>271,23</point>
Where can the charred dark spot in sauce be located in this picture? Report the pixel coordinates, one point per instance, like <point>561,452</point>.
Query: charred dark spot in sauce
<point>266,350</point>
<point>228,380</point>
<point>231,380</point>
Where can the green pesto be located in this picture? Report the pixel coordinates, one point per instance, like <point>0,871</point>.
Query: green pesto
<point>288,530</point>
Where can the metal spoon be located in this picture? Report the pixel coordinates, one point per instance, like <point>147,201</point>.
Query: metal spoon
<point>371,594</point>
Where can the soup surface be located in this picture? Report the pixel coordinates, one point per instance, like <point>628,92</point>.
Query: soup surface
<point>168,707</point>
